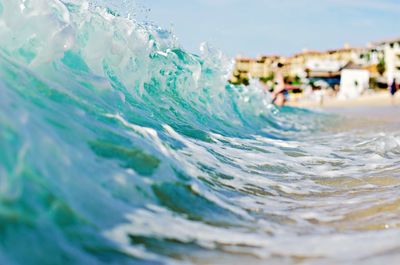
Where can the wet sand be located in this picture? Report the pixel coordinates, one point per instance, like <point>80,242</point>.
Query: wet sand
<point>372,118</point>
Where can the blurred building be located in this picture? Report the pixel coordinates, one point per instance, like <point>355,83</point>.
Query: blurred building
<point>391,58</point>
<point>354,81</point>
<point>301,63</point>
<point>380,59</point>
<point>304,64</point>
<point>261,67</point>
<point>327,64</point>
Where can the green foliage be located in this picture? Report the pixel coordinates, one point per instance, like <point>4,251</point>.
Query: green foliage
<point>297,80</point>
<point>373,83</point>
<point>241,81</point>
<point>270,77</point>
<point>381,67</point>
<point>245,81</point>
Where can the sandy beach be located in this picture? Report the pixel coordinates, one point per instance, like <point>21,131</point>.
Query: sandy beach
<point>369,111</point>
<point>375,99</point>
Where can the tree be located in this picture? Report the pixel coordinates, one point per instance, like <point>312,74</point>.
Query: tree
<point>381,67</point>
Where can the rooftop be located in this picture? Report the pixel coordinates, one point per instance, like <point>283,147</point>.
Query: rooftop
<point>387,41</point>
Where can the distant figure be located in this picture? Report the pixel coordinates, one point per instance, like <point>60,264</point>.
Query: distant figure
<point>279,94</point>
<point>393,89</point>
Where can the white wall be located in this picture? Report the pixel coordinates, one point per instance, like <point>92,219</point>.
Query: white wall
<point>392,60</point>
<point>353,83</point>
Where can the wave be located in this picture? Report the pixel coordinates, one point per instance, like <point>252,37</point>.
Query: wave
<point>120,147</point>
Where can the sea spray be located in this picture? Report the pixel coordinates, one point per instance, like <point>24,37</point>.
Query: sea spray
<point>120,147</point>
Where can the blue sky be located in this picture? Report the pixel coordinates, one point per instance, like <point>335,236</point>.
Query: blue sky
<point>253,27</point>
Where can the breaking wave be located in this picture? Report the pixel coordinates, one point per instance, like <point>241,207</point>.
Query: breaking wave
<point>120,147</point>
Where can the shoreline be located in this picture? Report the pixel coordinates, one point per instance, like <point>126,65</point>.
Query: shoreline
<point>375,99</point>
<point>362,118</point>
<point>373,111</point>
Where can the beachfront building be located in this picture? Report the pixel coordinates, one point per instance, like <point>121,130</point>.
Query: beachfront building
<point>325,64</point>
<point>348,54</point>
<point>300,63</point>
<point>259,68</point>
<point>391,57</point>
<point>354,81</point>
<point>381,60</point>
<point>241,70</point>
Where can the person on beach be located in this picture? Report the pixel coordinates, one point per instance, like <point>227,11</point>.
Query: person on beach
<point>279,94</point>
<point>393,89</point>
<point>281,90</point>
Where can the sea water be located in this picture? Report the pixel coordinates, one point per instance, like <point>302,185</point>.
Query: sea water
<point>117,146</point>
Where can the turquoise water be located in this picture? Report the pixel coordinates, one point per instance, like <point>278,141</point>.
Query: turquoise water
<point>119,147</point>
